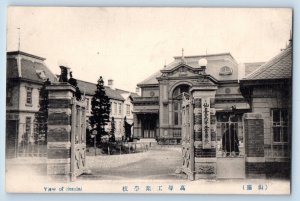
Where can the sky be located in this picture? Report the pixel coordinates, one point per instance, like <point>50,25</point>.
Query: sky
<point>130,44</point>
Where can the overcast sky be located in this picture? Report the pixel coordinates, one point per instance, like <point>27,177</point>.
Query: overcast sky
<point>129,44</point>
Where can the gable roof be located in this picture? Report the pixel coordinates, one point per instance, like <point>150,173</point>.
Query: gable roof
<point>279,67</point>
<point>252,66</point>
<point>89,89</point>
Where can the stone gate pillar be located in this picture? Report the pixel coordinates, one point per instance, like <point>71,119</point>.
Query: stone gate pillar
<point>204,131</point>
<point>254,145</point>
<point>59,131</point>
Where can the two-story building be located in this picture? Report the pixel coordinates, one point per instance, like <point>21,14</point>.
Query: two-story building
<point>120,101</point>
<point>26,74</point>
<point>157,112</point>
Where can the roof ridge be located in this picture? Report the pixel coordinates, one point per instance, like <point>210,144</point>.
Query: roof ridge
<point>205,55</point>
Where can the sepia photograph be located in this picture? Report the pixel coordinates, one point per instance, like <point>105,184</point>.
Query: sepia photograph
<point>151,100</point>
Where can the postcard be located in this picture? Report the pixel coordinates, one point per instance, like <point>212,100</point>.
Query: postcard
<point>151,100</point>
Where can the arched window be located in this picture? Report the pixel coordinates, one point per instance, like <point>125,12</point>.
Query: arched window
<point>177,101</point>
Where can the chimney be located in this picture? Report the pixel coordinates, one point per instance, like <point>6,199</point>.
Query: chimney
<point>110,83</point>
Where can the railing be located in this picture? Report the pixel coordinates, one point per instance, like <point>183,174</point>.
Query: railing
<point>30,140</point>
<point>145,99</point>
<point>120,147</point>
<point>176,132</point>
<point>230,142</point>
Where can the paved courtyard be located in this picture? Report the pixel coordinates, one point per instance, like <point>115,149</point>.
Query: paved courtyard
<point>160,162</point>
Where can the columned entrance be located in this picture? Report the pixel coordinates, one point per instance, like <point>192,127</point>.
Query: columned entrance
<point>146,124</point>
<point>149,122</point>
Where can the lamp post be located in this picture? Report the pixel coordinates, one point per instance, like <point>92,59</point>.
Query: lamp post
<point>94,134</point>
<point>202,64</point>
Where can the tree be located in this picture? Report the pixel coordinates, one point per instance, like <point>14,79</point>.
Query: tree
<point>41,117</point>
<point>127,128</point>
<point>112,131</point>
<point>100,110</point>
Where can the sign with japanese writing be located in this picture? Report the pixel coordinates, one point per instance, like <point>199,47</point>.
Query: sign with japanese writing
<point>206,135</point>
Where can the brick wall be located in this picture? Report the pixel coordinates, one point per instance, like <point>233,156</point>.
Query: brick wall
<point>254,145</point>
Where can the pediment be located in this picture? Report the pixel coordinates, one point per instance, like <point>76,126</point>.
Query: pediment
<point>181,70</point>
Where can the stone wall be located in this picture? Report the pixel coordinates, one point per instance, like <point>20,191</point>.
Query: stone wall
<point>66,133</point>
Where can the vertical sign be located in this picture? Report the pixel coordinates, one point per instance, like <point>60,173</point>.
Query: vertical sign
<point>206,135</point>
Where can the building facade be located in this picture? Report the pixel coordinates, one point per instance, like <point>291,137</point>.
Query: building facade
<point>268,90</point>
<point>157,112</point>
<point>120,101</point>
<point>26,74</point>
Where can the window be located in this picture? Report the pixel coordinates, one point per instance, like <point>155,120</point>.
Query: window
<point>28,95</point>
<point>225,70</point>
<point>41,74</point>
<point>120,109</point>
<point>127,109</point>
<point>280,125</point>
<point>177,113</point>
<point>115,108</point>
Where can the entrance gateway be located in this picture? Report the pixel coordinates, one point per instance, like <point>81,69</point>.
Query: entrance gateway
<point>210,149</point>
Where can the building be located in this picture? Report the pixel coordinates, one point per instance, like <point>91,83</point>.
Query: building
<point>120,101</point>
<point>26,74</point>
<point>268,90</point>
<point>157,112</point>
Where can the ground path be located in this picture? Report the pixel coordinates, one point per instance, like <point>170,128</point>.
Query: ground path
<point>160,162</point>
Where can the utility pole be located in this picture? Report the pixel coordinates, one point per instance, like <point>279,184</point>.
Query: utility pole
<point>19,42</point>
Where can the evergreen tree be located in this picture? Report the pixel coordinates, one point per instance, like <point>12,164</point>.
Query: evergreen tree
<point>100,110</point>
<point>41,117</point>
<point>127,130</point>
<point>113,130</point>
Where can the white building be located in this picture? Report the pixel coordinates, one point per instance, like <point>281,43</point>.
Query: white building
<point>120,101</point>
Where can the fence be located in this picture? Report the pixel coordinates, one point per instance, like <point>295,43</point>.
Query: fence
<point>115,148</point>
<point>25,139</point>
<point>230,140</point>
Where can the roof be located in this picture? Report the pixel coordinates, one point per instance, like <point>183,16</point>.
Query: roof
<point>191,61</point>
<point>279,67</point>
<point>32,70</point>
<point>250,67</point>
<point>90,88</point>
<point>25,54</point>
<point>133,95</point>
<point>151,79</point>
<point>205,55</point>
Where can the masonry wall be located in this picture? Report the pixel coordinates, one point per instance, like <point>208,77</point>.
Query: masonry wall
<point>277,156</point>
